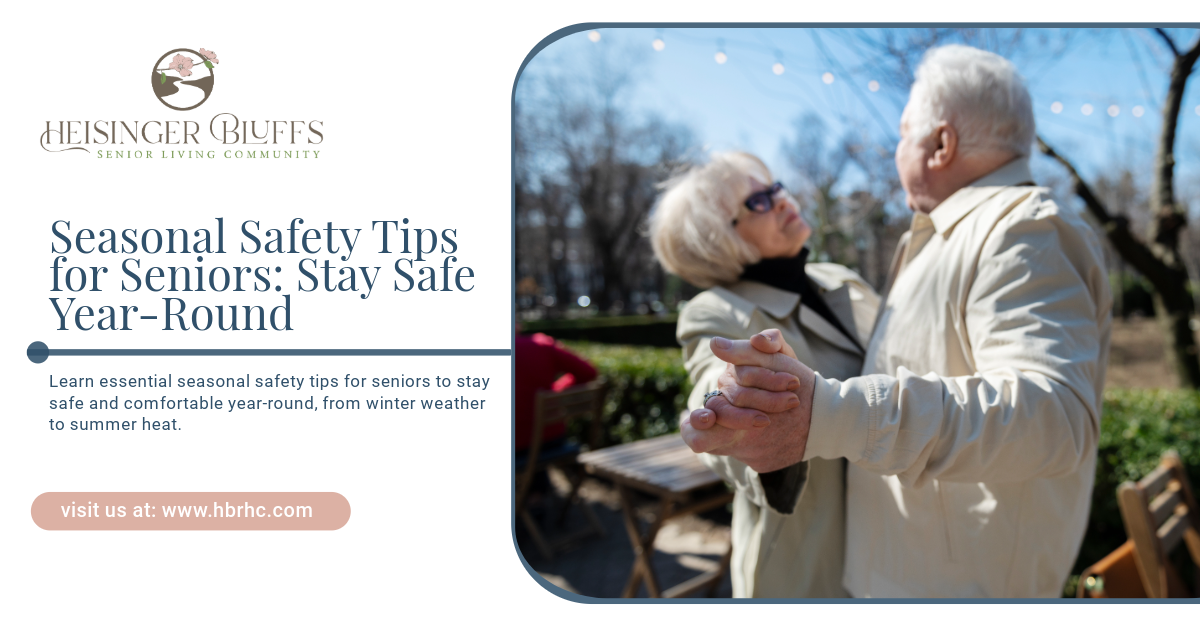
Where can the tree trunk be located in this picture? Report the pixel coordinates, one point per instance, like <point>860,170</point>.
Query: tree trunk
<point>1159,262</point>
<point>556,231</point>
<point>1172,302</point>
<point>1174,308</point>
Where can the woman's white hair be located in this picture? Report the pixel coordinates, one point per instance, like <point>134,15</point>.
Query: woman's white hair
<point>691,228</point>
<point>979,93</point>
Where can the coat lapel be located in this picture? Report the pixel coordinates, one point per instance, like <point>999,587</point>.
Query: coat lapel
<point>838,300</point>
<point>781,304</point>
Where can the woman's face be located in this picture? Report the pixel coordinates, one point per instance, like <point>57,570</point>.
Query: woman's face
<point>780,232</point>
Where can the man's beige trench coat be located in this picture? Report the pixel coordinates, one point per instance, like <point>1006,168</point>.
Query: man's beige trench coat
<point>799,554</point>
<point>972,434</point>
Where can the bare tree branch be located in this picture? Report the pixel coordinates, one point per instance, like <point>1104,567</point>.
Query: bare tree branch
<point>1162,195</point>
<point>1115,227</point>
<point>1167,38</point>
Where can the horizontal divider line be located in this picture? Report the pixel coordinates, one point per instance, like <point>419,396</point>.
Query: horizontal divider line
<point>278,352</point>
<point>38,352</point>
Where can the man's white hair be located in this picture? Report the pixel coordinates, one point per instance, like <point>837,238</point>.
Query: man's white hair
<point>979,93</point>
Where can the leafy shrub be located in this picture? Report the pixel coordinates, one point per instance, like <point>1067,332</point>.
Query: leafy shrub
<point>649,330</point>
<point>649,389</point>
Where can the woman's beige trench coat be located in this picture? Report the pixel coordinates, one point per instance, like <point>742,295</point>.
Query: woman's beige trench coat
<point>774,554</point>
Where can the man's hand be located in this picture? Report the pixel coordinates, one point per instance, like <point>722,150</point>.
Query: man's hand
<point>763,417</point>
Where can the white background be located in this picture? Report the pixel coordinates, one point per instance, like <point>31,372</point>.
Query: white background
<point>416,108</point>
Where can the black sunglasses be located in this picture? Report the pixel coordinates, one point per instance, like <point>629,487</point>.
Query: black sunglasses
<point>761,202</point>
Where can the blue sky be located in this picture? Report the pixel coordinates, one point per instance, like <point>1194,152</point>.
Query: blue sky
<point>743,103</point>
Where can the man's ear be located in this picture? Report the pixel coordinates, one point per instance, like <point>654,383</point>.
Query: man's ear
<point>946,149</point>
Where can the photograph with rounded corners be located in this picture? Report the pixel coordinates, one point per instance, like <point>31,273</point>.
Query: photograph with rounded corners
<point>818,314</point>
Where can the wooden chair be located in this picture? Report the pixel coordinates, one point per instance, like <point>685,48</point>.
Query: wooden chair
<point>1114,576</point>
<point>585,402</point>
<point>1159,512</point>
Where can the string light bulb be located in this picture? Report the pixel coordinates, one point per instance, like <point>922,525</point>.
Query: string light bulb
<point>658,44</point>
<point>594,36</point>
<point>827,78</point>
<point>1137,111</point>
<point>1056,107</point>
<point>1087,109</point>
<point>873,86</point>
<point>720,56</point>
<point>777,68</point>
<point>1113,111</point>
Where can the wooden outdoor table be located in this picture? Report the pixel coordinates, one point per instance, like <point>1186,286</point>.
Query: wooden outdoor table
<point>666,468</point>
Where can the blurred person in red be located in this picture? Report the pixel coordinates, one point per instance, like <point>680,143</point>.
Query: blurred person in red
<point>544,365</point>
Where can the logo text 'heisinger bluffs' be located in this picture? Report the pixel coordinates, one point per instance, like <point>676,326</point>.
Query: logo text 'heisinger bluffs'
<point>183,79</point>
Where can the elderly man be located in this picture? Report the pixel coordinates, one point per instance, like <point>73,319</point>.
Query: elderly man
<point>972,432</point>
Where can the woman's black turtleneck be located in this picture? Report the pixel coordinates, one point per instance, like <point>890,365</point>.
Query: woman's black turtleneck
<point>782,488</point>
<point>787,273</point>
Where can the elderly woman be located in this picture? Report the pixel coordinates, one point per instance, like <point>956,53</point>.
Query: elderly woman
<point>729,227</point>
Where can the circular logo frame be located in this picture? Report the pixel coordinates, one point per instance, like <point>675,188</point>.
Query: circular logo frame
<point>155,70</point>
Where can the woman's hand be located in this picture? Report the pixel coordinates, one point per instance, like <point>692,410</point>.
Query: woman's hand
<point>766,380</point>
<point>749,391</point>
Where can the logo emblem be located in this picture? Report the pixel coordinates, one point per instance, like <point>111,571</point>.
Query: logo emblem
<point>183,78</point>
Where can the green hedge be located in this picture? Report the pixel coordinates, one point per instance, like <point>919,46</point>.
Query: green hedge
<point>650,388</point>
<point>649,330</point>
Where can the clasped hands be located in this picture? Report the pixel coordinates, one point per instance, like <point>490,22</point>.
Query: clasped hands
<point>764,413</point>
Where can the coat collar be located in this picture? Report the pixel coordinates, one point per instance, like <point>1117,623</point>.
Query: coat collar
<point>774,301</point>
<point>965,200</point>
<point>781,304</point>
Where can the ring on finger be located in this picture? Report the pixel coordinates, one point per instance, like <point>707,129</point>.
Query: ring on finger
<point>715,393</point>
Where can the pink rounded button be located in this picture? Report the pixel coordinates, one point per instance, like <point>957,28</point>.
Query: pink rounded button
<point>190,511</point>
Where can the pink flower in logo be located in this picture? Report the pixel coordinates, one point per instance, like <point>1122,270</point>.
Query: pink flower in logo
<point>210,55</point>
<point>182,64</point>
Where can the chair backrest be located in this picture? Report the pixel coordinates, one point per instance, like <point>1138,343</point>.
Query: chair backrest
<point>1159,512</point>
<point>584,402</point>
